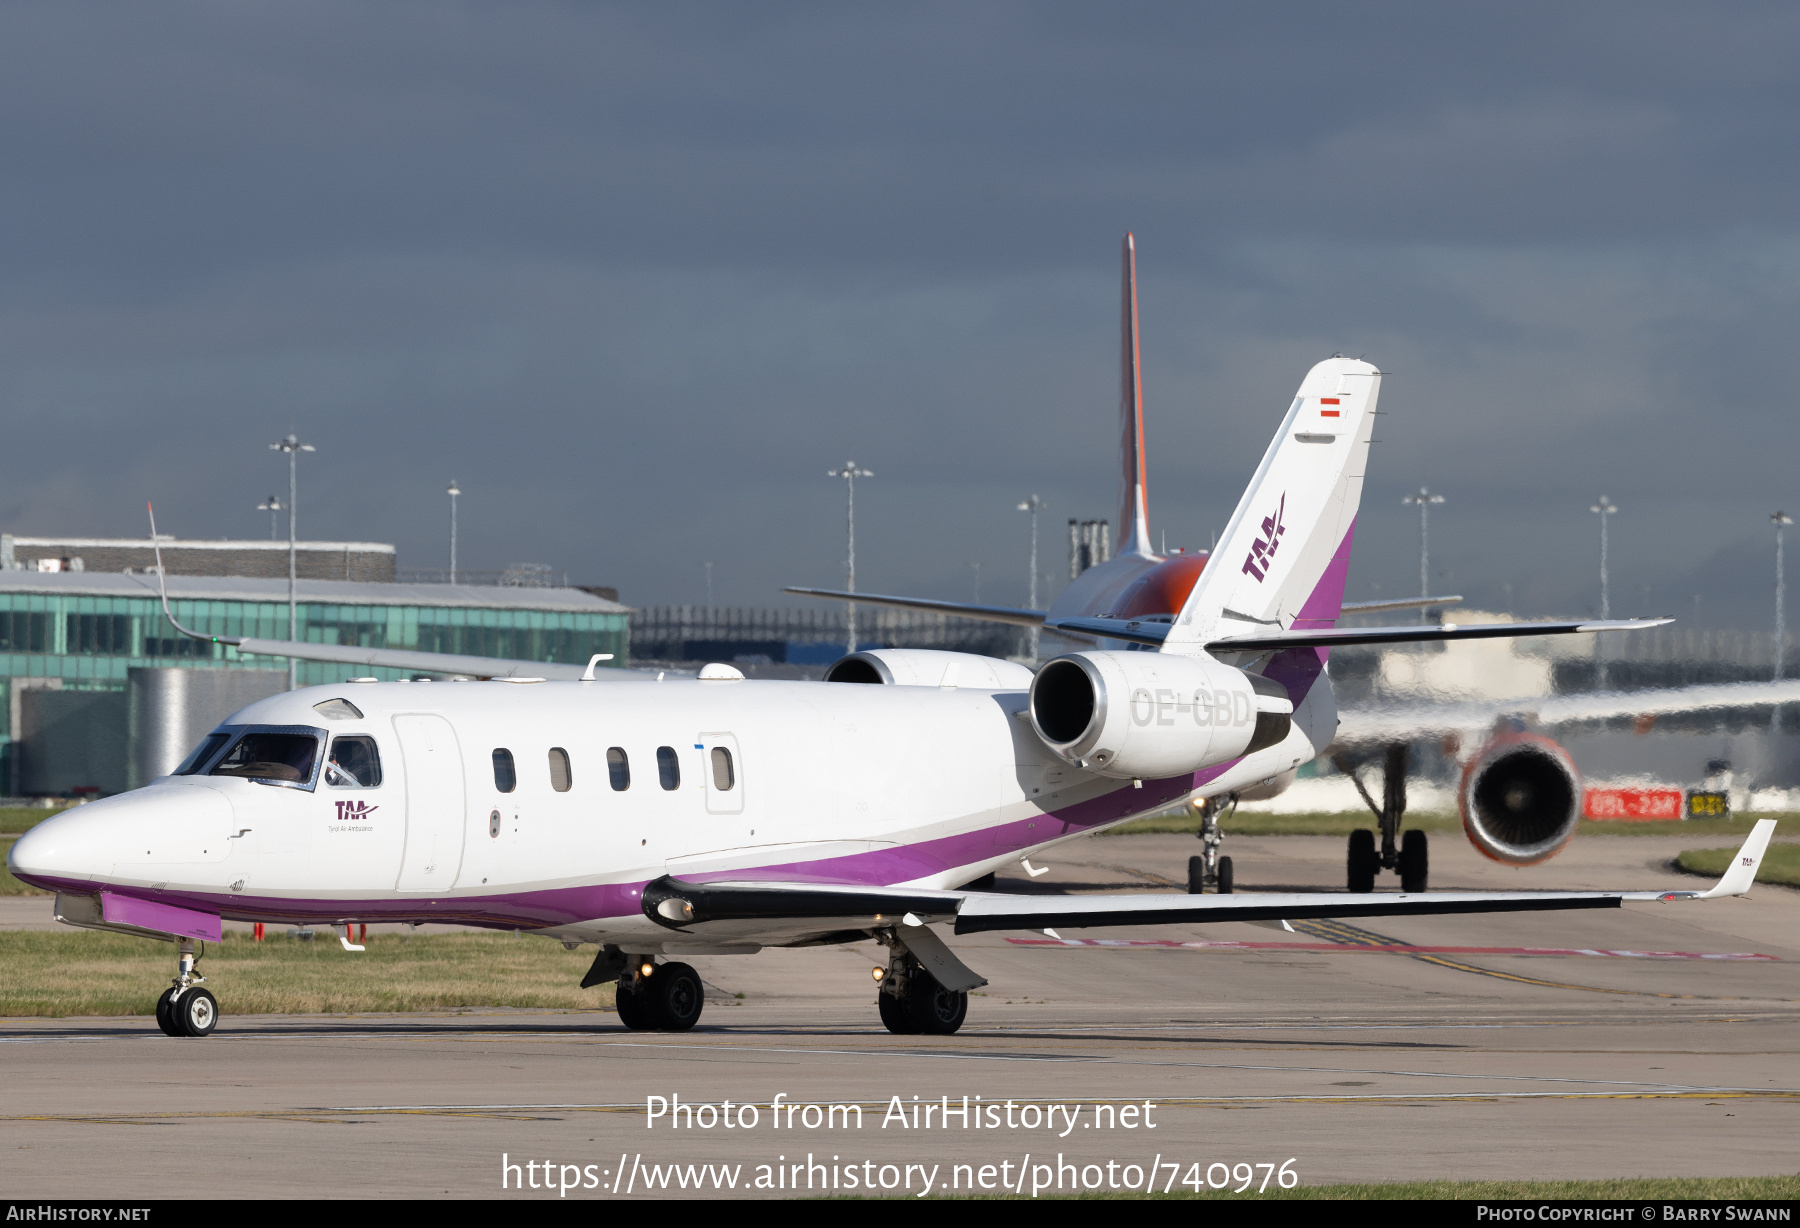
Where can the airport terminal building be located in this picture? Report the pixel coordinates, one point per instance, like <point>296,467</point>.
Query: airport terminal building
<point>96,687</point>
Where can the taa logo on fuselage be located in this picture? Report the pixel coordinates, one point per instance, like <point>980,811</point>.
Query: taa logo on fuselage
<point>1256,563</point>
<point>348,812</point>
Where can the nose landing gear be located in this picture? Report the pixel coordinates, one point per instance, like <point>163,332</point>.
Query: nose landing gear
<point>185,1009</point>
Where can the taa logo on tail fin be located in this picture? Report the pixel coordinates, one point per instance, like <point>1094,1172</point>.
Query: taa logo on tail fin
<point>1256,563</point>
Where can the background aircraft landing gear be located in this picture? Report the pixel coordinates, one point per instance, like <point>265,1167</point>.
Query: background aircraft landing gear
<point>1406,856</point>
<point>912,1002</point>
<point>1209,869</point>
<point>185,1009</point>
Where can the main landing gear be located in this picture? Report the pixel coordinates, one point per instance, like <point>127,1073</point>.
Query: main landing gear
<point>1209,869</point>
<point>1410,858</point>
<point>657,997</point>
<point>185,1009</point>
<point>912,1002</point>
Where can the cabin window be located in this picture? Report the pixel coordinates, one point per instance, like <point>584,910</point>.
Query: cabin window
<point>618,768</point>
<point>505,779</point>
<point>559,769</point>
<point>668,767</point>
<point>354,763</point>
<point>209,746</point>
<point>284,757</point>
<point>723,776</point>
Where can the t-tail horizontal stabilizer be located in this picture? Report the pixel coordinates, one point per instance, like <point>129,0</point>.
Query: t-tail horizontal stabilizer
<point>1155,631</point>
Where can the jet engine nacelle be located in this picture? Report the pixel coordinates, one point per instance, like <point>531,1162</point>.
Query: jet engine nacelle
<point>1149,714</point>
<point>929,667</point>
<point>1520,799</point>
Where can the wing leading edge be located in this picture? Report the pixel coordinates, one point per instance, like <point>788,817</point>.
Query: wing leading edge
<point>686,906</point>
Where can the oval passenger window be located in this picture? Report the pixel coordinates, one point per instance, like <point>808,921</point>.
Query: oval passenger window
<point>668,767</point>
<point>618,768</point>
<point>723,778</point>
<point>559,769</point>
<point>505,779</point>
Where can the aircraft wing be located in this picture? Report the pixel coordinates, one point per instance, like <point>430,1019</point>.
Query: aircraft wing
<point>986,613</point>
<point>1153,631</point>
<point>1404,722</point>
<point>424,662</point>
<point>695,906</point>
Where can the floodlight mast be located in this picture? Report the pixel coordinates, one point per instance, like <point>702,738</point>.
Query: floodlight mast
<point>1034,505</point>
<point>850,473</point>
<point>271,505</point>
<point>293,447</point>
<point>1605,510</point>
<point>1425,498</point>
<point>453,492</point>
<point>1781,520</point>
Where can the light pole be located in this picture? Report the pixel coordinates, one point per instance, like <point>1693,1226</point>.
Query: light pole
<point>1034,505</point>
<point>850,473</point>
<point>976,567</point>
<point>1781,520</point>
<point>293,447</point>
<point>1605,510</point>
<point>453,492</point>
<point>1424,499</point>
<point>271,505</point>
<point>709,598</point>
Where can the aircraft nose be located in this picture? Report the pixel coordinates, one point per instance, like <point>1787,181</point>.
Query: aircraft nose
<point>84,844</point>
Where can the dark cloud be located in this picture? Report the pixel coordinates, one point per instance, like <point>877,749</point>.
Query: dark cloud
<point>637,275</point>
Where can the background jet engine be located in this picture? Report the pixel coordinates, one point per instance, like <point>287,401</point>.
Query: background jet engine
<point>1145,714</point>
<point>1520,799</point>
<point>929,667</point>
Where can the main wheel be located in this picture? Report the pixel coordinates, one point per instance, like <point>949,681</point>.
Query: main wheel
<point>894,1015</point>
<point>1196,875</point>
<point>633,1012</point>
<point>165,1015</point>
<point>1224,876</point>
<point>195,1012</point>
<point>1414,862</point>
<point>935,1011</point>
<point>675,997</point>
<point>1362,862</point>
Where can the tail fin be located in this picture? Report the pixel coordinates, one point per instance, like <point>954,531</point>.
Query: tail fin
<point>1283,557</point>
<point>1134,513</point>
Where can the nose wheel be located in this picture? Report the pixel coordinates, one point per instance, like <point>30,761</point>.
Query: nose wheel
<point>185,1009</point>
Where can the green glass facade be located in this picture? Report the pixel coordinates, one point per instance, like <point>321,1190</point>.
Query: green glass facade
<point>89,642</point>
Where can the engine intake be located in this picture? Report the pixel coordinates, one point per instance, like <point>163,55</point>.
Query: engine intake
<point>1520,799</point>
<point>1140,714</point>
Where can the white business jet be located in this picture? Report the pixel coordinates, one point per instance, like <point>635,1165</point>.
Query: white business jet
<point>715,815</point>
<point>1520,793</point>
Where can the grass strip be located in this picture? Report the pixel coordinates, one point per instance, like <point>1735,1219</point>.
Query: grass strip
<point>17,820</point>
<point>89,972</point>
<point>8,884</point>
<point>1780,865</point>
<point>1342,824</point>
<point>1635,1189</point>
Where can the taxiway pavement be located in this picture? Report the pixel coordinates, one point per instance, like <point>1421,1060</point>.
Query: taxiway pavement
<point>1654,1040</point>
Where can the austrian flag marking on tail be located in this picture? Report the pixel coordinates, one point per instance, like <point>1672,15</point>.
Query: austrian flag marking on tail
<point>1256,563</point>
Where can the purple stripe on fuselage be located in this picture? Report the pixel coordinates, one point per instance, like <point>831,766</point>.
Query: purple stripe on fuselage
<point>1297,669</point>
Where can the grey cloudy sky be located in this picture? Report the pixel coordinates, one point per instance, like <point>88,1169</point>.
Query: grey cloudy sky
<point>637,275</point>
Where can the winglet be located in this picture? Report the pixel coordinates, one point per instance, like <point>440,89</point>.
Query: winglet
<point>1742,872</point>
<point>162,585</point>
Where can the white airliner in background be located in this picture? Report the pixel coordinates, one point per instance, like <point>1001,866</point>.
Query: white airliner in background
<point>1520,794</point>
<point>716,815</point>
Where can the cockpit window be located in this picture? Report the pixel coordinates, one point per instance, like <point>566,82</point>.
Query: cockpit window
<point>284,757</point>
<point>209,746</point>
<point>354,763</point>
